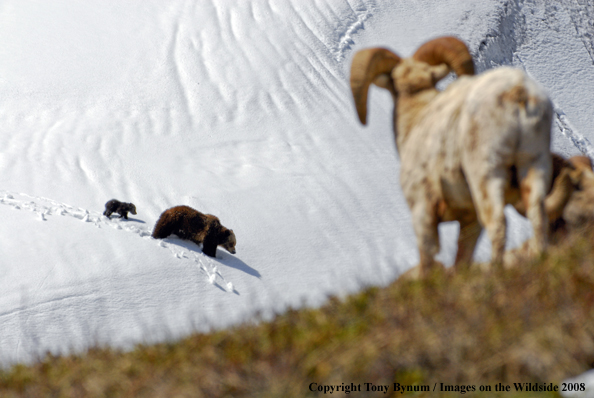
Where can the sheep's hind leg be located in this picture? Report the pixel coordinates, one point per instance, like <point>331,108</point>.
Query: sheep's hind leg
<point>470,230</point>
<point>490,206</point>
<point>425,225</point>
<point>533,191</point>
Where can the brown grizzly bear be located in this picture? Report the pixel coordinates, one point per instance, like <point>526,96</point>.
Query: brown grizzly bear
<point>122,208</point>
<point>190,224</point>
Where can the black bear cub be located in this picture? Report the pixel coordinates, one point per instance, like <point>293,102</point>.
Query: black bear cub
<point>190,224</point>
<point>122,208</point>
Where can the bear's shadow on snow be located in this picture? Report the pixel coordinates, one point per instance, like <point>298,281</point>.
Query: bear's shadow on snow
<point>222,256</point>
<point>129,219</point>
<point>135,220</point>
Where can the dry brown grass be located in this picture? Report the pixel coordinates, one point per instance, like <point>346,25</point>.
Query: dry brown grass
<point>531,323</point>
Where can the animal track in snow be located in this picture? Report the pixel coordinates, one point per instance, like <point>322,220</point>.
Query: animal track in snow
<point>44,207</point>
<point>204,262</point>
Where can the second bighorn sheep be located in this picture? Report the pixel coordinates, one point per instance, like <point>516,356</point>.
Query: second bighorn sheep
<point>461,149</point>
<point>574,189</point>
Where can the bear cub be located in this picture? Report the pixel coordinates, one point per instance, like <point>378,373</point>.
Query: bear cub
<point>190,224</point>
<point>122,208</point>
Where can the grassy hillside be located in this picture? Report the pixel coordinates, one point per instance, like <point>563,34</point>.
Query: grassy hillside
<point>531,323</point>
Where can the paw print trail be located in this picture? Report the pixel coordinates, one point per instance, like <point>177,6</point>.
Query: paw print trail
<point>205,264</point>
<point>44,208</point>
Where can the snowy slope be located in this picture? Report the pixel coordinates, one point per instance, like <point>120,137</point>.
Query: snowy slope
<point>238,109</point>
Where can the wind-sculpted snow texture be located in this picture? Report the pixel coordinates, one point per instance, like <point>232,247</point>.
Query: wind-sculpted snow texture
<point>235,108</point>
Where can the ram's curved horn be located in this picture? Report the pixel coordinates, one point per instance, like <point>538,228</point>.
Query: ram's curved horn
<point>366,66</point>
<point>447,50</point>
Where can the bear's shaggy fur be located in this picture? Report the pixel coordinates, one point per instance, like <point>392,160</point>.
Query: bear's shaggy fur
<point>122,208</point>
<point>190,224</point>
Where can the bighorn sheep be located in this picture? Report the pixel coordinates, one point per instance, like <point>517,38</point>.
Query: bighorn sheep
<point>461,148</point>
<point>568,177</point>
<point>573,207</point>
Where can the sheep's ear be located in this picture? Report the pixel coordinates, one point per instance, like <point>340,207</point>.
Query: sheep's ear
<point>384,81</point>
<point>439,72</point>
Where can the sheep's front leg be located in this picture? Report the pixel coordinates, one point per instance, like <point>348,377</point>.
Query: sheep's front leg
<point>425,226</point>
<point>470,230</point>
<point>560,194</point>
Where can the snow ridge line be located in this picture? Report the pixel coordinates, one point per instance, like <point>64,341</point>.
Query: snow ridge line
<point>346,38</point>
<point>51,207</point>
<point>569,132</point>
<point>501,44</point>
<point>581,15</point>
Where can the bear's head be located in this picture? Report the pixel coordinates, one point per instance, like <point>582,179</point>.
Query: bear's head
<point>131,208</point>
<point>230,241</point>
